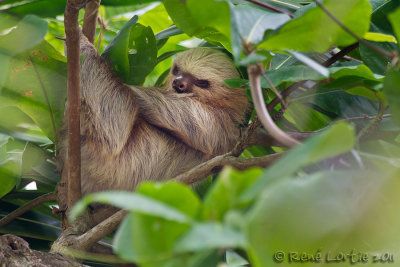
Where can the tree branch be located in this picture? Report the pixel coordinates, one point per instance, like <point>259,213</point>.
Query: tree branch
<point>249,132</point>
<point>215,164</point>
<point>74,149</point>
<point>104,228</point>
<point>90,19</point>
<point>27,207</point>
<point>271,7</point>
<point>262,112</point>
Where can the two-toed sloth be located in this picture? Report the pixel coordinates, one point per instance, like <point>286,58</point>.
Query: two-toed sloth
<point>131,134</point>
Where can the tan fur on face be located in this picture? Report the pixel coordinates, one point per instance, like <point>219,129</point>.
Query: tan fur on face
<point>132,134</point>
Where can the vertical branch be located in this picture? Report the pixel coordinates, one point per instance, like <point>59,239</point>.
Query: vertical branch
<point>73,108</point>
<point>90,19</point>
<point>262,112</point>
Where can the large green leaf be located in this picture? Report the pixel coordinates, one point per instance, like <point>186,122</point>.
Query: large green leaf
<point>250,23</point>
<point>222,196</point>
<point>149,237</point>
<point>36,84</point>
<point>316,32</point>
<point>337,139</point>
<point>380,23</point>
<point>209,19</point>
<point>132,202</point>
<point>143,54</point>
<point>117,51</point>
<point>28,32</point>
<point>337,103</point>
<point>327,212</point>
<point>133,52</point>
<point>306,118</point>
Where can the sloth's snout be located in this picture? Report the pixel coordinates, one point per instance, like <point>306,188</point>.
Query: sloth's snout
<point>183,83</point>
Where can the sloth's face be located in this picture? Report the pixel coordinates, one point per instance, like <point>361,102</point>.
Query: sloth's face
<point>184,82</point>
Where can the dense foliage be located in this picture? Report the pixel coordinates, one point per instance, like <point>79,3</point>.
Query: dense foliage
<point>335,194</point>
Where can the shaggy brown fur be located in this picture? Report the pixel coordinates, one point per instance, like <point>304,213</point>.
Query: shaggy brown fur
<point>132,134</point>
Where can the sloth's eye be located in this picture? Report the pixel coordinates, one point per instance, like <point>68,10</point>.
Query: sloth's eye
<point>175,70</point>
<point>202,84</point>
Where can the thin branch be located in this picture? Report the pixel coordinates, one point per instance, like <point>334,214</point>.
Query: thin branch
<point>27,207</point>
<point>375,121</point>
<point>103,27</point>
<point>101,230</point>
<point>279,96</point>
<point>74,149</point>
<point>339,55</point>
<point>90,20</point>
<point>249,132</point>
<point>361,40</point>
<point>262,112</point>
<point>367,117</point>
<point>215,164</point>
<point>271,7</point>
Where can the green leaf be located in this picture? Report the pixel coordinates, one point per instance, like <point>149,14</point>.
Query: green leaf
<point>148,238</point>
<point>36,84</point>
<point>395,20</point>
<point>203,236</point>
<point>358,70</point>
<point>168,32</point>
<point>132,202</point>
<point>29,32</point>
<point>379,37</point>
<point>9,166</point>
<point>330,212</point>
<point>316,32</point>
<point>207,19</point>
<point>337,103</point>
<point>221,197</point>
<point>43,8</point>
<point>36,166</point>
<point>391,90</point>
<point>337,139</point>
<point>306,118</point>
<point>142,55</point>
<point>311,63</point>
<point>117,51</point>
<point>249,24</point>
<point>133,52</point>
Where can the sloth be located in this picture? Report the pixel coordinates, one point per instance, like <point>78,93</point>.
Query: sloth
<point>131,134</point>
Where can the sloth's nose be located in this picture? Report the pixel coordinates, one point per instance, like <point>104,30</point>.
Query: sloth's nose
<point>183,83</point>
